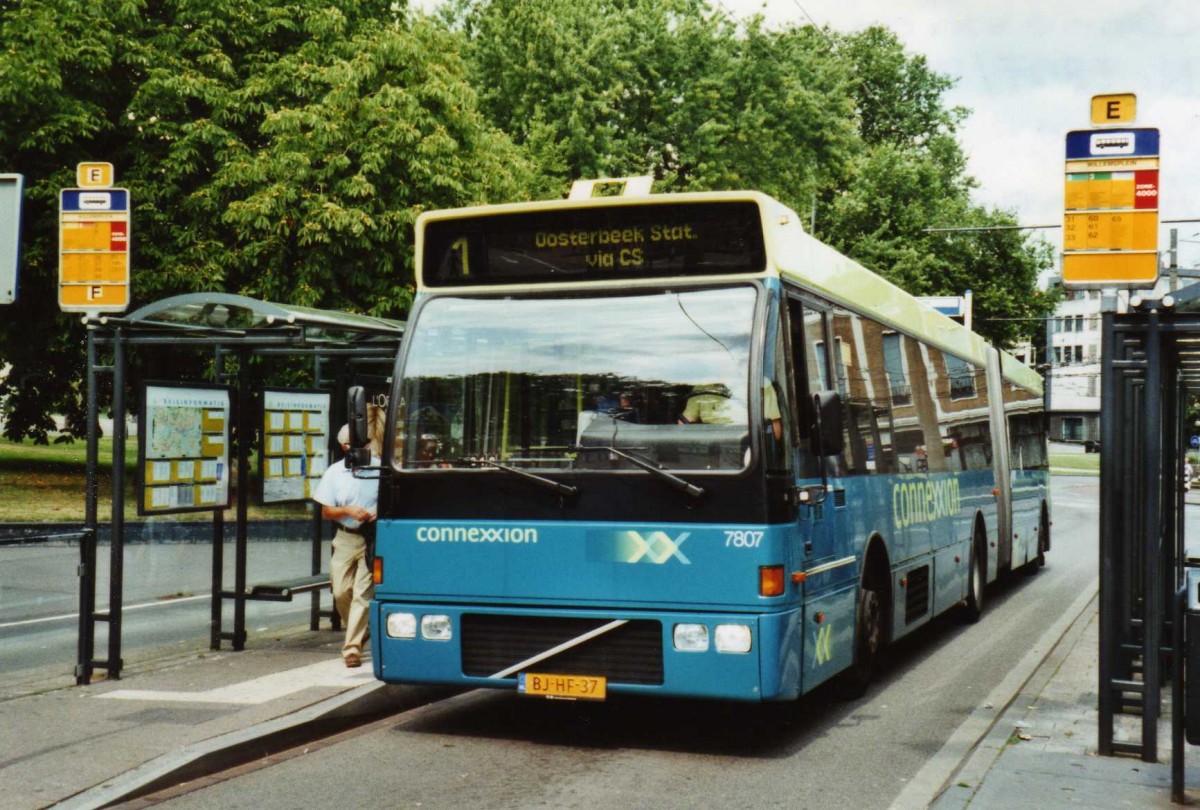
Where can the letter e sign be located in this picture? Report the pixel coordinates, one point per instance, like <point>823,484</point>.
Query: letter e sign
<point>1119,108</point>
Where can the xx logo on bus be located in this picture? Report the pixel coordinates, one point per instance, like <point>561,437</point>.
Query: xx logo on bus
<point>655,547</point>
<point>824,644</point>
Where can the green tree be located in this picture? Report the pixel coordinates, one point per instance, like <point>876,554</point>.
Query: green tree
<point>278,148</point>
<point>61,89</point>
<point>665,87</point>
<point>302,170</point>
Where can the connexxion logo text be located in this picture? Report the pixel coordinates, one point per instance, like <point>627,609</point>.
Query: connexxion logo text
<point>476,534</point>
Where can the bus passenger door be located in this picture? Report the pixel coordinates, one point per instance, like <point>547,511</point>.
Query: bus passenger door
<point>830,586</point>
<point>810,373</point>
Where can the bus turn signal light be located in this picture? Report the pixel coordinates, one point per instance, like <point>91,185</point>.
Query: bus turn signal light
<point>377,570</point>
<point>770,580</point>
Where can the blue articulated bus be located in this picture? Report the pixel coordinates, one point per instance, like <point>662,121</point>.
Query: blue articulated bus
<point>673,445</point>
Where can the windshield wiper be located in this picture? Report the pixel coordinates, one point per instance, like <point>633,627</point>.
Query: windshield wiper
<point>566,490</point>
<point>674,480</point>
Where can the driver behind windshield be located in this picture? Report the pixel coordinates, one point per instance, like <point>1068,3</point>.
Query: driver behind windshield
<point>712,404</point>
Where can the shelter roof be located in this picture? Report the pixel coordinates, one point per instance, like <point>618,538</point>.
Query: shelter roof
<point>225,315</point>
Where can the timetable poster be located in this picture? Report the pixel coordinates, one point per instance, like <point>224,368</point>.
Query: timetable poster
<point>183,449</point>
<point>295,443</point>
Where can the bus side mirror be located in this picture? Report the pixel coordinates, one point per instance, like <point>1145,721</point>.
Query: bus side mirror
<point>356,410</point>
<point>827,406</point>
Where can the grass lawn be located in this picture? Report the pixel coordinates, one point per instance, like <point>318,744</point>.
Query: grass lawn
<point>45,484</point>
<point>1081,463</point>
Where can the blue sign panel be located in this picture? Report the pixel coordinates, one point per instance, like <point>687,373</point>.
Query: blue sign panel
<point>1195,441</point>
<point>77,199</point>
<point>1086,144</point>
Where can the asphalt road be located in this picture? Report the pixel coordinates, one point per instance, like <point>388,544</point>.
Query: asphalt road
<point>495,750</point>
<point>166,600</point>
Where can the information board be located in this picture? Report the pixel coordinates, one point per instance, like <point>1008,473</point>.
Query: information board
<point>183,448</point>
<point>93,256</point>
<point>295,443</point>
<point>1110,221</point>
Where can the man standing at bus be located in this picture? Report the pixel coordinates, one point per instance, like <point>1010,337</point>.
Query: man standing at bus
<point>351,501</point>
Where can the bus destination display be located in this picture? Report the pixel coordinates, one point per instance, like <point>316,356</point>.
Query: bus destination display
<point>628,242</point>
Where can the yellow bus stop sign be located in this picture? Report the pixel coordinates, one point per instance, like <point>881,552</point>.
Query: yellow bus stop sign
<point>1110,221</point>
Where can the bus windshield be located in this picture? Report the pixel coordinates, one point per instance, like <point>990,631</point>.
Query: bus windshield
<point>538,382</point>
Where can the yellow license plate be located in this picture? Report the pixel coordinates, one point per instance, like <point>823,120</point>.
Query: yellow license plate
<point>564,687</point>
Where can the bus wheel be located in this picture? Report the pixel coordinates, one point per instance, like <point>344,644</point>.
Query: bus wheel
<point>868,641</point>
<point>975,577</point>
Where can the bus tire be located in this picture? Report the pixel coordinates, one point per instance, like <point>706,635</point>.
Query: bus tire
<point>868,641</point>
<point>976,579</point>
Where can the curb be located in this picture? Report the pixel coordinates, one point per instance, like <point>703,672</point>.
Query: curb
<point>984,756</point>
<point>931,781</point>
<point>364,704</point>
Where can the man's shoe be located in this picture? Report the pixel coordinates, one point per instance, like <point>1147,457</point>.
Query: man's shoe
<point>353,660</point>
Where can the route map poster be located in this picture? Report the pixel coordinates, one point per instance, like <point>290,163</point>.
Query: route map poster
<point>295,443</point>
<point>183,449</point>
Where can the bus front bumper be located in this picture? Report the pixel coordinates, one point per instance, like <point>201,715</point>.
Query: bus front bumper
<point>734,656</point>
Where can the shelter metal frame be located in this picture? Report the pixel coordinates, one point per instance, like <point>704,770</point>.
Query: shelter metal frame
<point>231,325</point>
<point>1150,366</point>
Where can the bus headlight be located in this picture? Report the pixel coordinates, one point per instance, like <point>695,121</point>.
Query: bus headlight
<point>732,638</point>
<point>691,637</point>
<point>401,625</point>
<point>436,628</point>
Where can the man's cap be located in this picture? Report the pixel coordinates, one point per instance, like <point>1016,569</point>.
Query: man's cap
<point>344,435</point>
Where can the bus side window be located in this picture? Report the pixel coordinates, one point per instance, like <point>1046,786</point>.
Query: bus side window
<point>810,374</point>
<point>962,394</point>
<point>854,367</point>
<point>777,421</point>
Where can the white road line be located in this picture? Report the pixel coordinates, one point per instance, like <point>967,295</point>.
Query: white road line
<point>260,690</point>
<point>155,603</point>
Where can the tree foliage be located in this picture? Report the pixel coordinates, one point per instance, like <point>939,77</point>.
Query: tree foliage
<point>282,148</point>
<point>279,149</point>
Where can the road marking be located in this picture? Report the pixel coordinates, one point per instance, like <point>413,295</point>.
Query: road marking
<point>260,690</point>
<point>64,616</point>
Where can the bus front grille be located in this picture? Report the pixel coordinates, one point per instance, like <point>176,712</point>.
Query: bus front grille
<point>632,653</point>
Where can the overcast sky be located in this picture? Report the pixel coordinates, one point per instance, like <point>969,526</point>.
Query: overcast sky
<point>1027,70</point>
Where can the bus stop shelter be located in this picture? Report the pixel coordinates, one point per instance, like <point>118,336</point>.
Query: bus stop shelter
<point>1150,373</point>
<point>344,349</point>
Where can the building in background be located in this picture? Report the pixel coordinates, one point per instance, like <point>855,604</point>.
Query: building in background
<point>1073,357</point>
<point>1073,377</point>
